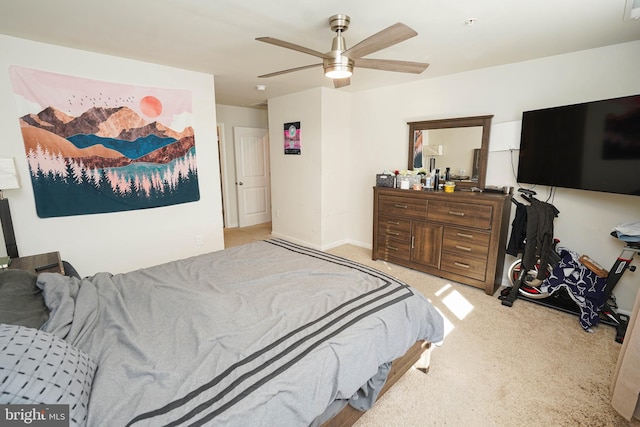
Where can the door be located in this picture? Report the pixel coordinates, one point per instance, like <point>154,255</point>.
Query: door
<point>426,243</point>
<point>253,177</point>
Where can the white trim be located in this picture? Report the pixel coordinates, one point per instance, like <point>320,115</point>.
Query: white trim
<point>223,175</point>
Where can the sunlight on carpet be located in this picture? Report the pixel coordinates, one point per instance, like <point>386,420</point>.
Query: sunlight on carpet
<point>495,357</point>
<point>458,304</point>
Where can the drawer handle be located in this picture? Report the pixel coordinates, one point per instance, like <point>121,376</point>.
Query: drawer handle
<point>393,233</point>
<point>401,206</point>
<point>393,222</point>
<point>468,236</point>
<point>456,213</point>
<point>463,248</point>
<point>459,264</point>
<point>413,240</point>
<point>392,248</point>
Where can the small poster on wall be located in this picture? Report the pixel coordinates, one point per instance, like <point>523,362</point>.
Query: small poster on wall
<point>292,138</point>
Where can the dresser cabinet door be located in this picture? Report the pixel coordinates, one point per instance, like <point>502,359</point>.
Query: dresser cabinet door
<point>426,243</point>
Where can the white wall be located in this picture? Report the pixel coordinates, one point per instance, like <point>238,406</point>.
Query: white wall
<point>586,218</point>
<point>228,118</point>
<point>122,241</point>
<point>296,179</point>
<point>311,192</point>
<point>337,160</point>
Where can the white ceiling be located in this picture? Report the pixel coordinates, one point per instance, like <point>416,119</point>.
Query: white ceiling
<point>218,36</point>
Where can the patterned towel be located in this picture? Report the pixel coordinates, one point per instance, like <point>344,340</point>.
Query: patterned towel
<point>583,286</point>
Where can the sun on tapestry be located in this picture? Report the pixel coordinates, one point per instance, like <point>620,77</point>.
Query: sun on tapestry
<point>97,147</point>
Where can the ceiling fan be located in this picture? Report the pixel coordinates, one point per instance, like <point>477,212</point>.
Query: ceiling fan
<point>338,64</point>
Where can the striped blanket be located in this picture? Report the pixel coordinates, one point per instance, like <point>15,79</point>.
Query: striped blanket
<point>265,334</point>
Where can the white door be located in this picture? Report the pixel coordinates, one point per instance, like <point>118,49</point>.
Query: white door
<point>253,178</point>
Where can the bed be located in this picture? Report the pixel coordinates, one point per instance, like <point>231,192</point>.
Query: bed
<point>268,333</point>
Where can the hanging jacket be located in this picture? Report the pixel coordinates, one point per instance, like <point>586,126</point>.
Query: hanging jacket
<point>518,230</point>
<point>539,243</point>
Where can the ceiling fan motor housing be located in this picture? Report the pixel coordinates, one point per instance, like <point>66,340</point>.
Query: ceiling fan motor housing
<point>339,23</point>
<point>336,65</point>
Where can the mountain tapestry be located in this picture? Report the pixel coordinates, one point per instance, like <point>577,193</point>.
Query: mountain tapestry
<point>98,147</point>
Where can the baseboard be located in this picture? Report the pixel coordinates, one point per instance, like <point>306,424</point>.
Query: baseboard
<point>322,247</point>
<point>346,242</point>
<point>294,240</point>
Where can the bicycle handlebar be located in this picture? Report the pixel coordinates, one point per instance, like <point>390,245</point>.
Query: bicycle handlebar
<point>527,191</point>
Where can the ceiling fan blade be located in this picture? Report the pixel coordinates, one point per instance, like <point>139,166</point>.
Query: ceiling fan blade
<point>290,70</point>
<point>380,40</point>
<point>338,83</point>
<point>292,46</point>
<point>391,65</point>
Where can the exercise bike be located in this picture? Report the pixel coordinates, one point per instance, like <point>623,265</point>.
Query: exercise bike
<point>526,285</point>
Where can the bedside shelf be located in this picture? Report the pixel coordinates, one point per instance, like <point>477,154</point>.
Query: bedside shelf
<point>34,263</point>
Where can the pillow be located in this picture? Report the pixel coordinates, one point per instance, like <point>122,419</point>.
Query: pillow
<point>21,301</point>
<point>39,368</point>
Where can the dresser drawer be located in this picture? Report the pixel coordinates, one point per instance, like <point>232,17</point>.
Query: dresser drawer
<point>466,241</point>
<point>478,216</point>
<point>401,206</point>
<point>474,268</point>
<point>388,248</point>
<point>394,228</point>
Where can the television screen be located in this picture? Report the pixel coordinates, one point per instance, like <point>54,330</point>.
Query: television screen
<point>589,146</point>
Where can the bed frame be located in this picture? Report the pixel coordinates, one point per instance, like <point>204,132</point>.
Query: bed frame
<point>418,354</point>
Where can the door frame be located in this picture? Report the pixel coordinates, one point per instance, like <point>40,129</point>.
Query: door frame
<point>222,159</point>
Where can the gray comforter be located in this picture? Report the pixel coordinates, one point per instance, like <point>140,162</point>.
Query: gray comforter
<point>264,334</point>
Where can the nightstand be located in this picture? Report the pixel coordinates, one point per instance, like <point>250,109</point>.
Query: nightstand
<point>41,263</point>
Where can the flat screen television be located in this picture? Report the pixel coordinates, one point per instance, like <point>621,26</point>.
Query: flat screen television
<point>588,146</point>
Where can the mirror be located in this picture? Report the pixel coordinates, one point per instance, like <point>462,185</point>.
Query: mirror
<point>461,144</point>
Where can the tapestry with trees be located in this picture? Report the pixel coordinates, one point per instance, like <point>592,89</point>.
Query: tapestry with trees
<point>97,147</point>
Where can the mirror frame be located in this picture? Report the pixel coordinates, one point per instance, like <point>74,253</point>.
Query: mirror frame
<point>459,122</point>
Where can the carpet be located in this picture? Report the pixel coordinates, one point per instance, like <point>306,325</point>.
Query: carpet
<point>525,365</point>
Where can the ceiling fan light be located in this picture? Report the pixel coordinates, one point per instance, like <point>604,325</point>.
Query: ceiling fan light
<point>338,71</point>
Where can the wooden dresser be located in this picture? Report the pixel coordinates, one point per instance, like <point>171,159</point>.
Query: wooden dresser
<point>460,236</point>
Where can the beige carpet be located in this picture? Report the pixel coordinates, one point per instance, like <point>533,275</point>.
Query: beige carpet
<point>240,236</point>
<point>526,365</point>
<point>498,366</point>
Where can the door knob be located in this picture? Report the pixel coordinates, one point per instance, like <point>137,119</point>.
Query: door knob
<point>240,183</point>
